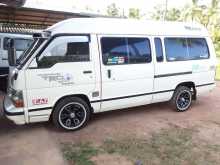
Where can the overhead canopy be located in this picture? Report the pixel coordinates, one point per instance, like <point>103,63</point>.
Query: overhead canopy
<point>15,3</point>
<point>36,18</point>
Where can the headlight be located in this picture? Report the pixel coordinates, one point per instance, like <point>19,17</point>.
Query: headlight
<point>16,97</point>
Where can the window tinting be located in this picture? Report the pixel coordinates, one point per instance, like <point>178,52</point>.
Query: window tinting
<point>114,51</point>
<point>65,52</point>
<point>182,49</point>
<point>139,50</point>
<point>176,49</point>
<point>120,50</point>
<point>198,48</point>
<point>159,49</point>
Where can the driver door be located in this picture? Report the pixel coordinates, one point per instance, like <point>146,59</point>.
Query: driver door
<point>60,71</point>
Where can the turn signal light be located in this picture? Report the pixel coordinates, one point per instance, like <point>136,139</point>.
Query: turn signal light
<point>19,103</point>
<point>16,97</point>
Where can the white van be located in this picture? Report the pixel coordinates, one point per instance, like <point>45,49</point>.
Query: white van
<point>22,42</point>
<point>82,66</point>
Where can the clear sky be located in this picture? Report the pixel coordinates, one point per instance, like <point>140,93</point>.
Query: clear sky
<point>145,6</point>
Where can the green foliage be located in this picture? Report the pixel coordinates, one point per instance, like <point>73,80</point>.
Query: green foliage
<point>134,13</point>
<point>209,16</point>
<point>171,14</point>
<point>79,154</point>
<point>159,13</point>
<point>113,10</point>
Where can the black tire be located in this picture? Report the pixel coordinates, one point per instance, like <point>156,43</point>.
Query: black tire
<point>71,114</point>
<point>182,99</point>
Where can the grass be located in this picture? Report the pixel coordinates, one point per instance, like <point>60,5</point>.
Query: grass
<point>79,154</point>
<point>170,147</point>
<point>174,146</point>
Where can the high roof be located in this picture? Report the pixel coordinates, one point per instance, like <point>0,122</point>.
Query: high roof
<point>127,26</point>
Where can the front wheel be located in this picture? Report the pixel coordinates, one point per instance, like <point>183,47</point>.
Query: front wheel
<point>71,114</point>
<point>182,99</point>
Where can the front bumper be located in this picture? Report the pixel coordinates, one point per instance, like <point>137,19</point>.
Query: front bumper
<point>13,113</point>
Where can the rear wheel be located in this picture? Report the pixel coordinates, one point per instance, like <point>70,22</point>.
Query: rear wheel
<point>71,114</point>
<point>182,99</point>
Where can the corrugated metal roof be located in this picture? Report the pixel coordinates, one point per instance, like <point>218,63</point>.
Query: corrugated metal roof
<point>31,16</point>
<point>19,28</point>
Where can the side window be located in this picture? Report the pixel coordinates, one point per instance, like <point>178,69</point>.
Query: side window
<point>158,49</point>
<point>65,49</point>
<point>119,50</point>
<point>176,49</point>
<point>139,50</point>
<point>198,48</point>
<point>114,51</point>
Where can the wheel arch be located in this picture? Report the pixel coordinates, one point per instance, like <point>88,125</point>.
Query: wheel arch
<point>82,96</point>
<point>191,85</point>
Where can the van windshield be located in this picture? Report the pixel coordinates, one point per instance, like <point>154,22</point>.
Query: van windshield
<point>28,52</point>
<point>21,44</point>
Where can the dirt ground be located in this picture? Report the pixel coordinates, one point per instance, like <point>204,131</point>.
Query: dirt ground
<point>40,143</point>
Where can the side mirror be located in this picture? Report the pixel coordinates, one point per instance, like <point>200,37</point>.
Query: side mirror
<point>11,53</point>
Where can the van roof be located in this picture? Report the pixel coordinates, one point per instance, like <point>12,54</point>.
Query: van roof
<point>127,26</point>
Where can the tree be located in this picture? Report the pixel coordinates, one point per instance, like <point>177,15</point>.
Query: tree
<point>113,10</point>
<point>134,13</point>
<point>171,14</point>
<point>159,13</point>
<point>207,15</point>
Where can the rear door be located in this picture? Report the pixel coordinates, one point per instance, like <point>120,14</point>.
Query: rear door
<point>127,71</point>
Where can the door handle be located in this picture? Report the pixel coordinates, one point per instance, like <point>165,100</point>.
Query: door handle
<point>87,72</point>
<point>109,73</point>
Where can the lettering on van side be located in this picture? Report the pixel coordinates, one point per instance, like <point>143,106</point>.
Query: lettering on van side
<point>64,79</point>
<point>40,101</point>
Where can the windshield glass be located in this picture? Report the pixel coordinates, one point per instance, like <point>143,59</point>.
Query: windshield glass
<point>28,52</point>
<point>20,44</point>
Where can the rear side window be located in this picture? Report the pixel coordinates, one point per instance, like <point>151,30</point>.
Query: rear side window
<point>120,50</point>
<point>182,49</point>
<point>65,49</point>
<point>198,48</point>
<point>159,49</point>
<point>176,49</point>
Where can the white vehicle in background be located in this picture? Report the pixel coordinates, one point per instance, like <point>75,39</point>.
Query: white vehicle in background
<point>82,66</point>
<point>22,42</point>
